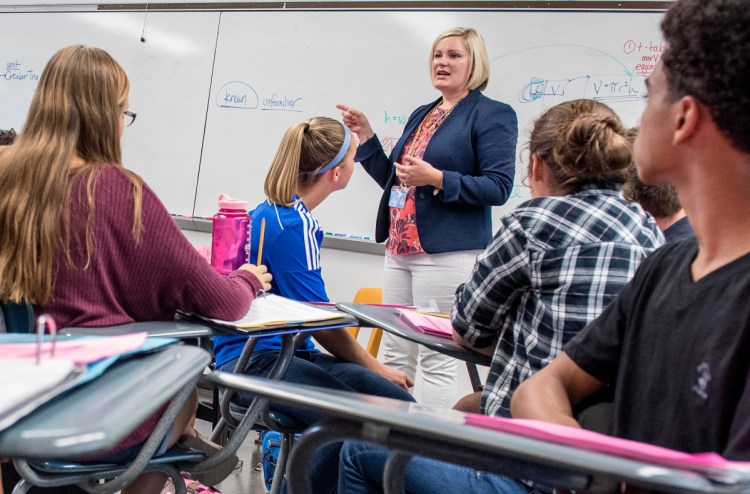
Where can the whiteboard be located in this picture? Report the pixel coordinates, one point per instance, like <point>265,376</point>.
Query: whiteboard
<point>170,78</point>
<point>276,68</point>
<point>215,91</point>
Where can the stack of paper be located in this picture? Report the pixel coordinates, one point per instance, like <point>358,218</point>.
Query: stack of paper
<point>26,385</point>
<point>439,326</point>
<point>274,311</point>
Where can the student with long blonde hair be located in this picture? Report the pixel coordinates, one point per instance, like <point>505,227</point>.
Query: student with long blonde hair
<point>85,240</point>
<point>315,158</point>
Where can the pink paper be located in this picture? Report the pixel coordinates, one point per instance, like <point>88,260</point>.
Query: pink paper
<point>593,441</point>
<point>79,350</point>
<point>440,326</point>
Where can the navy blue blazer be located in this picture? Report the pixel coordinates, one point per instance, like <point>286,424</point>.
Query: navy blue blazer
<point>475,147</point>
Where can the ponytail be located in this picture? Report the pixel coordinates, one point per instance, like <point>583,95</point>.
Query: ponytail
<point>307,150</point>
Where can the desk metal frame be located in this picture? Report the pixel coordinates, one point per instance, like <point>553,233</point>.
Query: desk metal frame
<point>97,415</point>
<point>187,327</point>
<point>412,429</point>
<point>388,319</point>
<point>291,338</point>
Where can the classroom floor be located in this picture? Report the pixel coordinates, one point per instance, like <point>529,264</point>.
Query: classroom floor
<point>248,477</point>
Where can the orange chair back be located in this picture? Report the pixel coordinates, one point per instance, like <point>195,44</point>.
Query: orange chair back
<point>369,295</point>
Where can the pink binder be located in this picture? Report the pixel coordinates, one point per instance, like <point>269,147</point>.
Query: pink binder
<point>593,441</point>
<point>439,326</point>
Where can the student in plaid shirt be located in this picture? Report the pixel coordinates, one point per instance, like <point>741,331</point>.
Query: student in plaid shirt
<point>674,344</point>
<point>559,259</point>
<point>553,266</point>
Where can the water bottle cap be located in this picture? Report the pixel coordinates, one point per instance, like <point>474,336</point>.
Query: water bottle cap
<point>226,202</point>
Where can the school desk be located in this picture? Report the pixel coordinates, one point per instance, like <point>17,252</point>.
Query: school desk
<point>242,420</point>
<point>97,415</point>
<point>413,429</point>
<point>166,329</point>
<point>184,327</point>
<point>388,318</point>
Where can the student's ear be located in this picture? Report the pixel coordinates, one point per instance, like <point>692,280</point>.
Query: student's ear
<point>538,170</point>
<point>689,113</point>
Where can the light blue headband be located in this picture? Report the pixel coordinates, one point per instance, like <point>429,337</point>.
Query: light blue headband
<point>342,152</point>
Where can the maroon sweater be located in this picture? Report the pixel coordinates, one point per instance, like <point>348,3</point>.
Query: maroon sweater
<point>132,282</point>
<point>128,281</point>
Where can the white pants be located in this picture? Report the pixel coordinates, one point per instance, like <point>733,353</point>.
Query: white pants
<point>420,279</point>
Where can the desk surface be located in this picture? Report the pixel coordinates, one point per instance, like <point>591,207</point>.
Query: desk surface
<point>97,415</point>
<point>185,327</point>
<point>388,319</point>
<point>448,427</point>
<point>165,329</point>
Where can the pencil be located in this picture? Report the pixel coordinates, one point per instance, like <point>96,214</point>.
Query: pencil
<point>260,243</point>
<point>443,315</point>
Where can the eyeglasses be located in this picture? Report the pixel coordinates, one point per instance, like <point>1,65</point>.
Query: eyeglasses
<point>129,118</point>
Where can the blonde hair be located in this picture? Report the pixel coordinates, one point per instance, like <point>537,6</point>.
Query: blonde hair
<point>582,142</point>
<point>305,149</point>
<point>479,74</point>
<point>75,114</point>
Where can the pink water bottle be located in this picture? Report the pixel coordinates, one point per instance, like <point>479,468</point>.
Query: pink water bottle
<point>229,236</point>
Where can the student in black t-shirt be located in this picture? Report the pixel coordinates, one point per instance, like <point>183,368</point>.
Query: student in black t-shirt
<point>674,344</point>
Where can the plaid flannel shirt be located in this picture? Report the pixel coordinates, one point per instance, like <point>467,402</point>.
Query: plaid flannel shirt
<point>552,267</point>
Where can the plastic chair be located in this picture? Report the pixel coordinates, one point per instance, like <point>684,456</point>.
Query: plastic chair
<point>369,295</point>
<point>19,318</point>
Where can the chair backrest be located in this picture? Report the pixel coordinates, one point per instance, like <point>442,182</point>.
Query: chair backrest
<point>369,295</point>
<point>16,317</point>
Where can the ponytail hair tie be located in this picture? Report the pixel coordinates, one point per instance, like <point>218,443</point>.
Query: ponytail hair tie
<point>307,128</point>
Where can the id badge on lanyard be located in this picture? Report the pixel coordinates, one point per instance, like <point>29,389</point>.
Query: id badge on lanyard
<point>398,197</point>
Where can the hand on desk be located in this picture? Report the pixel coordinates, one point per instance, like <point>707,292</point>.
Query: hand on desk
<point>260,272</point>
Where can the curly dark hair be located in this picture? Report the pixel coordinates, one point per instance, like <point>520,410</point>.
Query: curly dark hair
<point>7,137</point>
<point>708,57</point>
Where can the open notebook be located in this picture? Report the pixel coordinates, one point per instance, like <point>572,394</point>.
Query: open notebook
<point>275,311</point>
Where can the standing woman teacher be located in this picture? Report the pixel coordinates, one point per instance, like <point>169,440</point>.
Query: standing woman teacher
<point>454,161</point>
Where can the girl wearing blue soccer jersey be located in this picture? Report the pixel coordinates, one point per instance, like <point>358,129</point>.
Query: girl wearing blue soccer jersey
<point>314,159</point>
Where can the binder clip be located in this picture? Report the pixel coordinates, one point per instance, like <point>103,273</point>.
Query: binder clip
<point>45,323</point>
